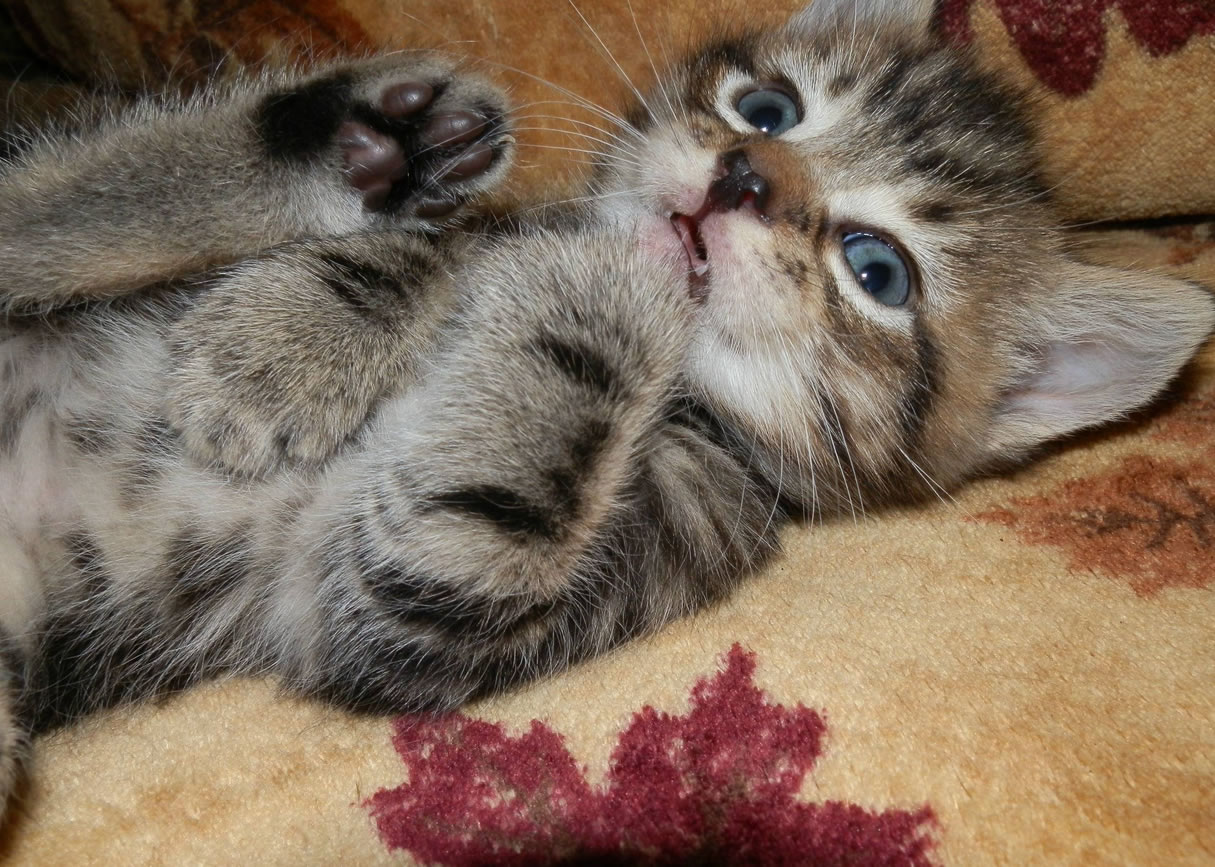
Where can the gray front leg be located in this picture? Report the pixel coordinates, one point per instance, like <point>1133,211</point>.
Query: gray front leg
<point>502,466</point>
<point>283,357</point>
<point>165,189</point>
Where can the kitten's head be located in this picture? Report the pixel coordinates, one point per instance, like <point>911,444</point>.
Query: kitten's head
<point>883,298</point>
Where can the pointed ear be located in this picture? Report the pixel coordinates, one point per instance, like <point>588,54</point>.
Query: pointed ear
<point>913,17</point>
<point>1105,344</point>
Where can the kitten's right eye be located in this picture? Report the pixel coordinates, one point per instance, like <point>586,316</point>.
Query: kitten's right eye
<point>879,268</point>
<point>770,110</point>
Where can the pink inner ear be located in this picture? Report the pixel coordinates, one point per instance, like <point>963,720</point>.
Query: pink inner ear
<point>1088,366</point>
<point>1117,344</point>
<point>1078,385</point>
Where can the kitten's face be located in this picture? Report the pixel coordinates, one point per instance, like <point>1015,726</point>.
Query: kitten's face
<point>863,219</point>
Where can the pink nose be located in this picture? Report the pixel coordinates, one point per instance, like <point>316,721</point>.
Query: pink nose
<point>739,186</point>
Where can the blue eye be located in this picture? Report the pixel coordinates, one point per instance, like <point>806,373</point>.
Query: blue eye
<point>769,110</point>
<point>879,268</point>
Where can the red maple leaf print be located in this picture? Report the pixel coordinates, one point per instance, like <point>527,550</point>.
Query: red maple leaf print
<point>1150,522</point>
<point>717,785</point>
<point>1064,43</point>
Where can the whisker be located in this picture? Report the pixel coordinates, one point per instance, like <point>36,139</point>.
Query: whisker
<point>579,100</point>
<point>607,53</point>
<point>658,77</point>
<point>616,138</point>
<point>938,490</point>
<point>607,143</point>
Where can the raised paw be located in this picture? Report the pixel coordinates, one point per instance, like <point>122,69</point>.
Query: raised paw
<point>238,424</point>
<point>410,136</point>
<point>451,147</point>
<point>281,360</point>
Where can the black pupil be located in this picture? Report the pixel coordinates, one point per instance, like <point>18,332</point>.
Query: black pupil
<point>766,118</point>
<point>875,277</point>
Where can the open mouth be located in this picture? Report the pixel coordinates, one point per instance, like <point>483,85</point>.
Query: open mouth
<point>688,230</point>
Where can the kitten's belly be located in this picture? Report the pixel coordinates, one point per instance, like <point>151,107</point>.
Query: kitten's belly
<point>33,492</point>
<point>38,501</point>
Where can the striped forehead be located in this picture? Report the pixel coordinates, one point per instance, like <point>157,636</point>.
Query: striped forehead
<point>901,109</point>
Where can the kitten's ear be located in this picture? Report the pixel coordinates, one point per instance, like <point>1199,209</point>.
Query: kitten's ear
<point>1107,343</point>
<point>863,16</point>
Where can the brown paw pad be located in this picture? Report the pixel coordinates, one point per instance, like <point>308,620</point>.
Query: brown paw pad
<point>452,128</point>
<point>373,162</point>
<point>473,161</point>
<point>406,99</point>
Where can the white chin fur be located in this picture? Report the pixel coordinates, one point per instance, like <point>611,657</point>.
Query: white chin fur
<point>759,386</point>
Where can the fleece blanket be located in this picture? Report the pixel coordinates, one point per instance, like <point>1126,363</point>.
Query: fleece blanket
<point>1022,673</point>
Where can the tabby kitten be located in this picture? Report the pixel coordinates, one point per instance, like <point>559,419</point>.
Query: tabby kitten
<point>399,467</point>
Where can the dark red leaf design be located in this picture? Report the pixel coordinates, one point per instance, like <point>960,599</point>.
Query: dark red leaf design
<point>717,785</point>
<point>1064,43</point>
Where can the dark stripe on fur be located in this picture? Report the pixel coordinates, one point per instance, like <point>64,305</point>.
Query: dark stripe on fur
<point>923,388</point>
<point>509,510</point>
<point>736,52</point>
<point>14,416</point>
<point>87,562</point>
<point>893,76</point>
<point>934,212</point>
<point>580,363</point>
<point>841,84</point>
<point>367,288</point>
<point>202,572</point>
<point>426,600</point>
<point>91,435</point>
<point>582,452</point>
<point>154,440</point>
<point>101,645</point>
<point>372,670</point>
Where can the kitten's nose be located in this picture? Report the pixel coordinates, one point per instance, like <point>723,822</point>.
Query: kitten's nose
<point>740,186</point>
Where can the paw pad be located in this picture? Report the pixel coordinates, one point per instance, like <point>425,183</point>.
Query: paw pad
<point>401,151</point>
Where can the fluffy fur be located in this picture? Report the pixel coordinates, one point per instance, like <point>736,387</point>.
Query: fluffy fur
<point>260,413</point>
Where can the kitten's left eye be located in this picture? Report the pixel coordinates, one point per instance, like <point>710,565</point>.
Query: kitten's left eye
<point>770,110</point>
<point>879,268</point>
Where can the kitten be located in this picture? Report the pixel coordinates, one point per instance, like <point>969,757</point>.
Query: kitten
<point>259,414</point>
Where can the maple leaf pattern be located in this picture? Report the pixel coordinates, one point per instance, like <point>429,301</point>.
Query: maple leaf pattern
<point>1064,43</point>
<point>1150,522</point>
<point>717,785</point>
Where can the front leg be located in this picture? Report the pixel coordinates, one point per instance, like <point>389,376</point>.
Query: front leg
<point>165,189</point>
<point>499,470</point>
<point>282,357</point>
